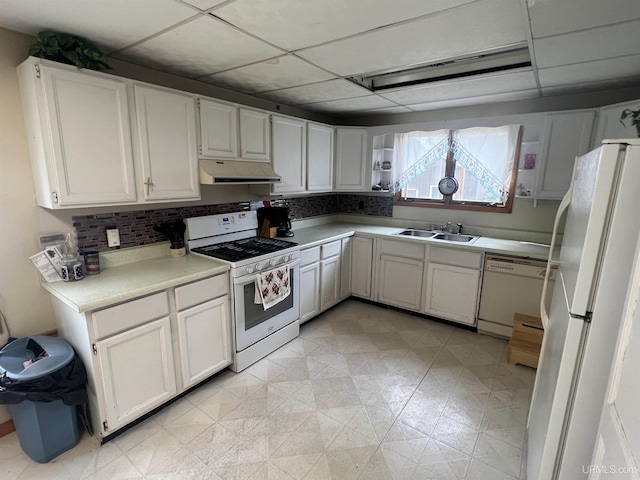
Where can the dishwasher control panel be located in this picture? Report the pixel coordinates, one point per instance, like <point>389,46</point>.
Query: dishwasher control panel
<point>521,267</point>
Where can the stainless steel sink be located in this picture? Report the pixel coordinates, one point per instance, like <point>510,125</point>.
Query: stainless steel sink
<point>454,237</point>
<point>416,233</point>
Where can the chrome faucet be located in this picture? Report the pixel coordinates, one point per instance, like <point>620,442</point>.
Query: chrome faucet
<point>459,228</point>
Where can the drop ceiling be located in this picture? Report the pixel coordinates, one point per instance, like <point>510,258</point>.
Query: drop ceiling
<point>303,52</point>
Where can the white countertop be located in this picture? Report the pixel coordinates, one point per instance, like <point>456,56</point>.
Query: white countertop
<point>132,273</point>
<point>319,234</point>
<point>120,283</point>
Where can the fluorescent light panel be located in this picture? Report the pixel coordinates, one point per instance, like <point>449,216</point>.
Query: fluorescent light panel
<point>494,61</point>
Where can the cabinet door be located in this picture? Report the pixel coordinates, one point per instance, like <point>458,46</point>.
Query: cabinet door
<point>289,154</point>
<point>345,267</point>
<point>137,371</point>
<point>565,136</point>
<point>218,129</point>
<point>452,293</point>
<point>329,282</point>
<point>255,136</point>
<point>361,266</point>
<point>309,291</point>
<point>167,144</point>
<point>400,281</point>
<point>319,158</point>
<point>609,126</point>
<point>88,120</point>
<point>351,151</point>
<point>205,340</point>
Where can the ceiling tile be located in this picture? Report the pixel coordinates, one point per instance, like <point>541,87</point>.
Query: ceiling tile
<point>612,69</point>
<point>110,25</point>
<point>204,4</point>
<point>476,100</point>
<point>281,72</point>
<point>555,17</point>
<point>317,92</point>
<point>359,104</point>
<point>200,47</point>
<point>595,44</point>
<point>294,24</point>
<point>436,37</point>
<point>487,84</point>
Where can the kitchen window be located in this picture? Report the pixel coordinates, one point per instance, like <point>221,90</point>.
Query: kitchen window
<point>482,161</point>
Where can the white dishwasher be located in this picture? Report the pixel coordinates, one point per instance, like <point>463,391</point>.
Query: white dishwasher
<point>510,285</point>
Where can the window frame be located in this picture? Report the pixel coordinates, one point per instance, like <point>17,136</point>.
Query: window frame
<point>447,202</point>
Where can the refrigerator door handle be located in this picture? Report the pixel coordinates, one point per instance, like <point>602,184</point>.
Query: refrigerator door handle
<point>564,204</point>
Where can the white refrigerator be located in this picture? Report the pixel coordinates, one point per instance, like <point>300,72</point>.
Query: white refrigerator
<point>581,327</point>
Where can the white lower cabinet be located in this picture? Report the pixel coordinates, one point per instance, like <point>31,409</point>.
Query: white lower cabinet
<point>400,281</point>
<point>309,291</point>
<point>137,372</point>
<point>142,353</point>
<point>400,273</point>
<point>452,293</point>
<point>320,278</point>
<point>345,267</point>
<point>205,340</point>
<point>453,284</point>
<point>329,282</point>
<point>362,267</point>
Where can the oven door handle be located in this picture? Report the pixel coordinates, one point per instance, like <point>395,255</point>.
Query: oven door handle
<point>243,280</point>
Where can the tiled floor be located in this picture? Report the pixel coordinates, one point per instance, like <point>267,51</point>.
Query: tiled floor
<point>364,392</point>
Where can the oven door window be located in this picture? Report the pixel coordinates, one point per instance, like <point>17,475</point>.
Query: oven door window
<point>255,314</point>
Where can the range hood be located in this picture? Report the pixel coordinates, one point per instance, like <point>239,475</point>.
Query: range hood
<point>217,172</point>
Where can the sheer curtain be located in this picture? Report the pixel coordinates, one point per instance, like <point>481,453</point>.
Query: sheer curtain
<point>488,154</point>
<point>414,153</point>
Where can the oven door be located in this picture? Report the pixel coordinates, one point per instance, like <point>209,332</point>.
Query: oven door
<point>252,321</point>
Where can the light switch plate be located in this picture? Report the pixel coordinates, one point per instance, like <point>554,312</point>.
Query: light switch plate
<point>113,237</point>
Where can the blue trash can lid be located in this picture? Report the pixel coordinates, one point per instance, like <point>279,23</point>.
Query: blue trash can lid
<point>36,356</point>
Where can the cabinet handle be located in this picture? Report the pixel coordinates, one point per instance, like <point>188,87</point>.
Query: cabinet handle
<point>149,184</point>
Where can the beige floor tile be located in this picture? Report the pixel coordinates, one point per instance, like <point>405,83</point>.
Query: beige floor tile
<point>364,393</point>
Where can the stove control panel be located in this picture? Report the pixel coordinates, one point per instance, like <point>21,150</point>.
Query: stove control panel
<point>269,263</point>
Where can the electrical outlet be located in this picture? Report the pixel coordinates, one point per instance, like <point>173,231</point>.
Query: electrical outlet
<point>113,237</point>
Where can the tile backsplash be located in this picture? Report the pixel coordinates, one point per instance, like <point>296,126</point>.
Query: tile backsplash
<point>136,228</point>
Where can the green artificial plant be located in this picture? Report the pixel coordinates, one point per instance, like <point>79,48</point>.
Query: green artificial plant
<point>635,118</point>
<point>70,49</point>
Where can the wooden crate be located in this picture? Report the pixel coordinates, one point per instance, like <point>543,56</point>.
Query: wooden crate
<point>526,340</point>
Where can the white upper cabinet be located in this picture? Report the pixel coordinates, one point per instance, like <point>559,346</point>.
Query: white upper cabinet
<point>351,151</point>
<point>289,154</point>
<point>79,135</point>
<point>319,157</point>
<point>218,129</point>
<point>565,135</point>
<point>167,144</point>
<point>255,135</point>
<point>609,125</point>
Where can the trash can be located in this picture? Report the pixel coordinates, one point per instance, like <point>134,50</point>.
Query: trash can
<point>43,382</point>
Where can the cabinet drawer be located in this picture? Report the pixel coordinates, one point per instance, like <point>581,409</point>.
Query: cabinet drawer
<point>309,256</point>
<point>459,258</point>
<point>331,249</point>
<point>128,315</point>
<point>402,249</point>
<point>202,291</point>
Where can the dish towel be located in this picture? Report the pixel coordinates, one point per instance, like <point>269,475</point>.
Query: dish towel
<point>272,287</point>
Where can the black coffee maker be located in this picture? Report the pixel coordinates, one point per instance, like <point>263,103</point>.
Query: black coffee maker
<point>278,217</point>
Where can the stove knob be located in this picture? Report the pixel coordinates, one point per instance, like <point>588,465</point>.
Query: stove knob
<point>283,259</point>
<point>272,262</point>
<point>259,266</point>
<point>249,269</point>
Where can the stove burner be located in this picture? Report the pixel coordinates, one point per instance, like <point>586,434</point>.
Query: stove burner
<point>238,250</point>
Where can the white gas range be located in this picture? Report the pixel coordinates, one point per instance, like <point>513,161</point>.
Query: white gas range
<point>232,238</point>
